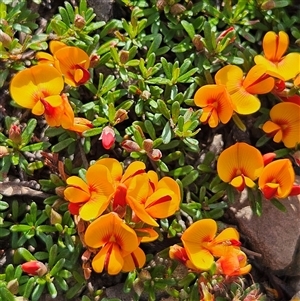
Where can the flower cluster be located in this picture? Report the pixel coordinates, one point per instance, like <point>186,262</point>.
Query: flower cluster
<point>40,87</point>
<point>121,208</point>
<point>241,165</point>
<point>202,246</point>
<point>236,93</point>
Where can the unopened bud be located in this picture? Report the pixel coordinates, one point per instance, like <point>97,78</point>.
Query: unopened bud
<point>296,157</point>
<point>269,4</point>
<point>177,9</point>
<point>34,268</point>
<point>148,145</point>
<point>155,154</point>
<point>197,42</point>
<point>79,21</point>
<point>3,151</point>
<point>130,146</point>
<point>120,116</point>
<point>5,39</point>
<point>124,56</point>
<point>14,134</point>
<point>94,60</point>
<point>145,95</point>
<point>108,137</point>
<point>144,275</point>
<point>60,191</point>
<point>161,4</point>
<point>55,217</point>
<point>13,286</point>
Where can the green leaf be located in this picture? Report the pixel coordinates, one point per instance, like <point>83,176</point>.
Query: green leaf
<point>150,129</point>
<point>167,133</point>
<point>190,178</point>
<point>92,132</point>
<point>64,15</point>
<point>28,131</point>
<point>37,292</point>
<point>24,253</point>
<point>62,145</point>
<point>35,147</point>
<point>20,228</point>
<point>189,28</point>
<point>3,206</point>
<point>52,290</point>
<point>162,107</point>
<point>181,171</point>
<point>154,45</point>
<point>279,205</point>
<point>57,267</point>
<point>30,284</point>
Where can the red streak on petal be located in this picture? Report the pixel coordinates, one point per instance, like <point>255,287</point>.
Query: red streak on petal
<point>120,196</point>
<point>134,259</point>
<point>295,190</point>
<point>164,199</point>
<point>235,242</point>
<point>107,256</point>
<point>85,76</point>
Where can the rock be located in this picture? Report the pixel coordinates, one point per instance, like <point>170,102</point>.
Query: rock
<point>275,234</point>
<point>102,8</point>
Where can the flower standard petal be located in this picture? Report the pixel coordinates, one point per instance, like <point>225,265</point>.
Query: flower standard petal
<point>277,179</point>
<point>73,63</point>
<point>29,85</point>
<point>285,115</point>
<point>240,159</point>
<point>199,232</point>
<point>162,203</point>
<point>274,45</point>
<point>77,190</point>
<point>133,169</point>
<point>114,167</point>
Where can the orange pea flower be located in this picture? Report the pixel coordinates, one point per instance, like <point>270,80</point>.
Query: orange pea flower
<point>284,124</point>
<point>71,61</point>
<point>202,244</point>
<point>240,165</point>
<point>116,240</point>
<point>151,199</point>
<point>96,194</point>
<point>62,115</point>
<point>277,179</point>
<point>277,65</point>
<point>233,263</point>
<point>179,253</point>
<point>37,88</point>
<point>215,103</point>
<point>80,125</point>
<point>242,90</point>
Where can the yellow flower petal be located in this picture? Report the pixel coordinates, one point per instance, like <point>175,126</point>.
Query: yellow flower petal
<point>281,173</point>
<point>285,115</point>
<point>109,258</point>
<point>114,167</point>
<point>133,169</point>
<point>201,231</point>
<point>257,82</point>
<point>111,228</point>
<point>227,234</point>
<point>274,45</point>
<point>134,260</point>
<point>201,259</point>
<point>240,159</point>
<point>56,45</point>
<point>29,85</point>
<point>162,203</point>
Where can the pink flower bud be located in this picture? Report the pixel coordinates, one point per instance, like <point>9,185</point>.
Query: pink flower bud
<point>79,21</point>
<point>108,137</point>
<point>34,268</point>
<point>14,134</point>
<point>130,146</point>
<point>3,151</point>
<point>155,154</point>
<point>94,60</point>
